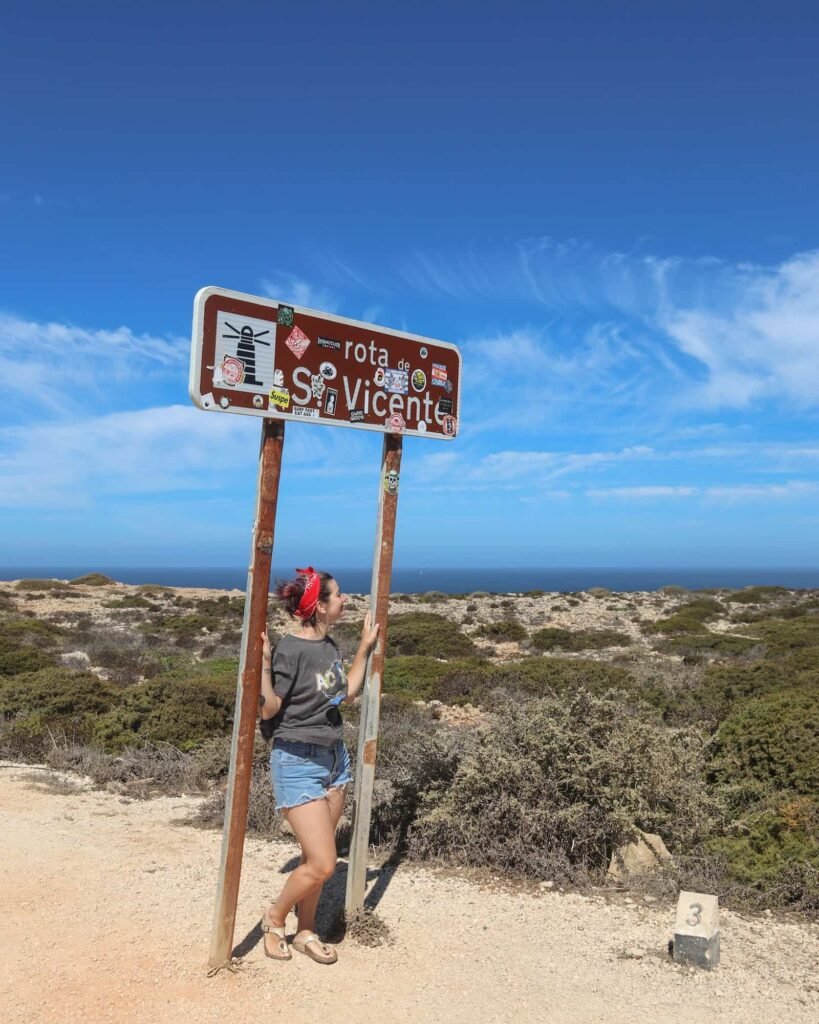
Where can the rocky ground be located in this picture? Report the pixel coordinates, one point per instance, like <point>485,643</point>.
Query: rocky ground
<point>107,903</point>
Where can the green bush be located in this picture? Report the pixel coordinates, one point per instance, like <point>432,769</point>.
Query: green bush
<point>425,633</point>
<point>506,631</point>
<point>781,636</point>
<point>771,740</point>
<point>39,585</point>
<point>94,579</point>
<point>555,784</point>
<point>775,851</point>
<point>482,683</point>
<point>131,601</point>
<point>689,617</point>
<point>413,676</point>
<point>756,595</point>
<point>553,638</point>
<point>706,643</point>
<point>27,645</point>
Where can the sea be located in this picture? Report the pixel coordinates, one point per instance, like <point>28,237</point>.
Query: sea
<point>455,581</point>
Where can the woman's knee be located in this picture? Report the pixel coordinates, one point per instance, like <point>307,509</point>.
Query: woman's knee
<point>321,868</point>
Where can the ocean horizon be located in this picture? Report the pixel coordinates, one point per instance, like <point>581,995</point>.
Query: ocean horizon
<point>455,581</point>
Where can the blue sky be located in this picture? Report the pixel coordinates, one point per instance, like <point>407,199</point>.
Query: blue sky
<point>611,209</point>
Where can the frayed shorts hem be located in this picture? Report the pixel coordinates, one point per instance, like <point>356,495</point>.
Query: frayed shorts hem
<point>308,799</point>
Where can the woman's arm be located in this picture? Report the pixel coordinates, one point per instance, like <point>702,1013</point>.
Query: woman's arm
<point>355,675</point>
<point>269,703</point>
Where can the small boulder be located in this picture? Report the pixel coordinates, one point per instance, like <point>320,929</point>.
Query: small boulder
<point>75,659</point>
<point>645,854</point>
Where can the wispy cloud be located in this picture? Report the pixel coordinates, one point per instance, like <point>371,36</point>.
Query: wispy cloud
<point>299,292</point>
<point>732,494</point>
<point>49,364</point>
<point>165,449</point>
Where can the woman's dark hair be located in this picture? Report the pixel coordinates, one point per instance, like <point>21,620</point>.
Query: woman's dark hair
<point>290,593</point>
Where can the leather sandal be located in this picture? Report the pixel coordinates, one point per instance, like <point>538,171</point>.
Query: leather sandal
<point>313,947</point>
<point>280,951</point>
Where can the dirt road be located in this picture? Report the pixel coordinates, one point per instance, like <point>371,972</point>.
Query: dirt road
<point>106,907</point>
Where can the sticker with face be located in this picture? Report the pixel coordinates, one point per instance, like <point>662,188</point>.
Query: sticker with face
<point>391,481</point>
<point>328,371</point>
<point>297,341</point>
<point>418,380</point>
<point>285,316</point>
<point>317,385</point>
<point>330,402</point>
<point>396,423</point>
<point>258,402</point>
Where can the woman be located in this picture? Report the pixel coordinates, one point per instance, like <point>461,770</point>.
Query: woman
<point>303,684</point>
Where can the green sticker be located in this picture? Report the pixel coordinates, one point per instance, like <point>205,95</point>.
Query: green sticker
<point>285,317</point>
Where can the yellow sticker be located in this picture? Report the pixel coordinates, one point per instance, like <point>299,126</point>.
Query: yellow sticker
<point>280,397</point>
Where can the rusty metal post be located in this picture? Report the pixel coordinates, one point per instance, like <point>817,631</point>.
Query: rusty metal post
<point>371,698</point>
<point>247,692</point>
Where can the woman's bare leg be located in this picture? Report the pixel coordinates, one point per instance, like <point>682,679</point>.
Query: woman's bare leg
<point>315,831</point>
<point>309,904</point>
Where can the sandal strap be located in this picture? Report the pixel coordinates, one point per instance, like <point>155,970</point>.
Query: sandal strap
<point>274,929</point>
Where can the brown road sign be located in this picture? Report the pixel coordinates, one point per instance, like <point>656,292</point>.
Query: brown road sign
<point>260,357</point>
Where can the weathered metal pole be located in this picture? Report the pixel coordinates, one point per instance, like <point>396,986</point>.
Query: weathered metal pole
<point>247,692</point>
<point>371,698</point>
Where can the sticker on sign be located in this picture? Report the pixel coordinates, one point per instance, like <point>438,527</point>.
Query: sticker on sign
<point>256,356</point>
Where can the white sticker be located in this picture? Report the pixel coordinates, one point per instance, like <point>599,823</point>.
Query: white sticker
<point>328,371</point>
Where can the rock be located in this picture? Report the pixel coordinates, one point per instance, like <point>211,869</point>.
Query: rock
<point>75,659</point>
<point>633,953</point>
<point>645,854</point>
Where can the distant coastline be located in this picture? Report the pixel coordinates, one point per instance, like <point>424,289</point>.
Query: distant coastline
<point>456,581</point>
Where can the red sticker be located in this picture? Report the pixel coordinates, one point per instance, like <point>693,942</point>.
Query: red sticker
<point>297,341</point>
<point>233,370</point>
<point>396,423</point>
<point>450,425</point>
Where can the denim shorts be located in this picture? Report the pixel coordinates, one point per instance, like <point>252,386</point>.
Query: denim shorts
<point>302,772</point>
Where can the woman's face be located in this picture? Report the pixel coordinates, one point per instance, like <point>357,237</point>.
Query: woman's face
<point>334,604</point>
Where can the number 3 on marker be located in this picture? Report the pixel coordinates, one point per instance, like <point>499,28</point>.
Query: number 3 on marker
<point>695,918</point>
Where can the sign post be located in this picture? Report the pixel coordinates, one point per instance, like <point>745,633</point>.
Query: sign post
<point>371,696</point>
<point>261,357</point>
<point>247,693</point>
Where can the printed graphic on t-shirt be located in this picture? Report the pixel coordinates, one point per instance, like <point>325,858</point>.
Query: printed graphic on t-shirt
<point>332,683</point>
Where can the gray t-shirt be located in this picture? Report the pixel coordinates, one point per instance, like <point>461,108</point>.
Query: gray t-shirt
<point>310,679</point>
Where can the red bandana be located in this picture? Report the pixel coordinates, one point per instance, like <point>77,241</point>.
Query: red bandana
<point>310,597</point>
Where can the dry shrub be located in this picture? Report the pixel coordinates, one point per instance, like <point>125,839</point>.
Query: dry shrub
<point>147,770</point>
<point>558,782</point>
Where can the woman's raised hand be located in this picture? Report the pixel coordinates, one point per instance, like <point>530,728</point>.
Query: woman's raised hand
<point>369,632</point>
<point>267,654</point>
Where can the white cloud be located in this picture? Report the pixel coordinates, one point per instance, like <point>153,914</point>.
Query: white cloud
<point>762,343</point>
<point>52,364</point>
<point>734,493</point>
<point>513,470</point>
<point>165,449</point>
<point>293,289</point>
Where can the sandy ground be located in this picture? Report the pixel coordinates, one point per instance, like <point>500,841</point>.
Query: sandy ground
<point>106,908</point>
